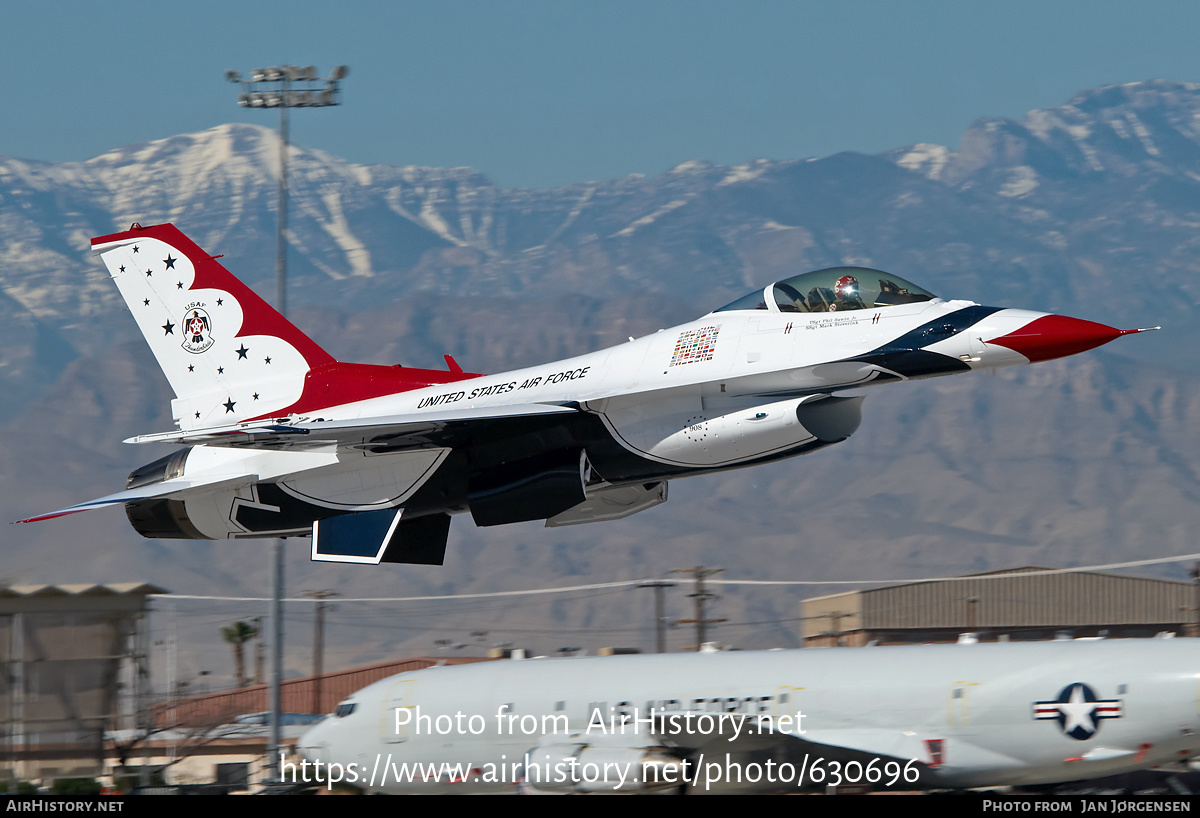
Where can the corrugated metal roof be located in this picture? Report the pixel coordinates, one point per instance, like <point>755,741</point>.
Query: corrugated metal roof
<point>1000,599</point>
<point>82,589</point>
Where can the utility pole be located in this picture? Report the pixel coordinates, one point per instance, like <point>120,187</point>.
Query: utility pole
<point>283,87</point>
<point>258,650</point>
<point>660,622</point>
<point>701,598</point>
<point>319,645</point>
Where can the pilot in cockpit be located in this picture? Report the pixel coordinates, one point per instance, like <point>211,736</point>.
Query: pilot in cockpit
<point>847,297</point>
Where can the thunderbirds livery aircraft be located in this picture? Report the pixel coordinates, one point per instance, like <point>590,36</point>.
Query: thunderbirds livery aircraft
<point>911,717</point>
<point>372,461</point>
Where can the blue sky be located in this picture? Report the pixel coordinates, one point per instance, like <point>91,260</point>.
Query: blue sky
<point>537,94</point>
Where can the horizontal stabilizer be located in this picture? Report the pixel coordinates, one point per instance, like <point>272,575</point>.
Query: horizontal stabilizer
<point>371,537</point>
<point>165,488</point>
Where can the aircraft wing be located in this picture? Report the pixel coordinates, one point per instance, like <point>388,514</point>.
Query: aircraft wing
<point>893,758</point>
<point>878,742</point>
<point>166,488</point>
<point>885,759</point>
<point>384,433</point>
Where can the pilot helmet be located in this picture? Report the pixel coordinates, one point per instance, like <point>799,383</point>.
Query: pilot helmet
<point>846,287</point>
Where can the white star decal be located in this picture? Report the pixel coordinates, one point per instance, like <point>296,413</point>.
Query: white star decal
<point>1078,712</point>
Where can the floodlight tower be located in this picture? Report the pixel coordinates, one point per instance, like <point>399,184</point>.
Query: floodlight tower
<point>283,87</point>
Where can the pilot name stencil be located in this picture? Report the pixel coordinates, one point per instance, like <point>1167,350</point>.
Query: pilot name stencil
<point>839,321</point>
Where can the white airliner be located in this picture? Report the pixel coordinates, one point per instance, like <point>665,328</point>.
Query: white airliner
<point>283,440</point>
<point>912,717</point>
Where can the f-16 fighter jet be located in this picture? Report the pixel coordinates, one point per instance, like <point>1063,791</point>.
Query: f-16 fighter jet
<point>281,440</point>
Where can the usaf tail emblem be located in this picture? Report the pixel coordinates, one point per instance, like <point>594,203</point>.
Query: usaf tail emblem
<point>1078,711</point>
<point>197,330</point>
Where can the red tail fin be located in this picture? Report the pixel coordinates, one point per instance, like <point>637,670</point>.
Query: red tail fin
<point>227,354</point>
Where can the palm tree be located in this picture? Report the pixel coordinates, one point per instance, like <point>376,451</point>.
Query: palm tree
<point>238,634</point>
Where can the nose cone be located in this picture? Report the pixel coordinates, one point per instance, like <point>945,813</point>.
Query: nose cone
<point>1057,336</point>
<point>312,744</point>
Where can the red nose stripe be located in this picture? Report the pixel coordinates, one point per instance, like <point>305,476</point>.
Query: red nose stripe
<point>1057,336</point>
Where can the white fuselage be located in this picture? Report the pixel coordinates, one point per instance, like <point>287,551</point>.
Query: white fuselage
<point>960,715</point>
<point>755,353</point>
<point>737,406</point>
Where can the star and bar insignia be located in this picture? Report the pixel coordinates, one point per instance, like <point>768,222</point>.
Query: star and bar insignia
<point>1078,711</point>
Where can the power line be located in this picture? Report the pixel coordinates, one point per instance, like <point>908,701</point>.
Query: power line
<point>635,582</point>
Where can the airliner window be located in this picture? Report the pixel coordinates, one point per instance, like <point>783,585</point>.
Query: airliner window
<point>345,709</point>
<point>837,289</point>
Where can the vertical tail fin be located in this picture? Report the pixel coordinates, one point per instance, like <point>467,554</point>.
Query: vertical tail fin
<point>226,353</point>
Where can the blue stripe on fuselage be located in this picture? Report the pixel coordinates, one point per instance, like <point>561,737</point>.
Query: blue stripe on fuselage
<point>907,355</point>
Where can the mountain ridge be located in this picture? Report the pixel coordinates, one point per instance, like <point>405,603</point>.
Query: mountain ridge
<point>1082,461</point>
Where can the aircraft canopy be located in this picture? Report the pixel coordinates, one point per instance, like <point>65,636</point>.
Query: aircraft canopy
<point>832,290</point>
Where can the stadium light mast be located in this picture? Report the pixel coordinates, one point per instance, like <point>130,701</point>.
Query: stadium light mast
<point>283,87</point>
